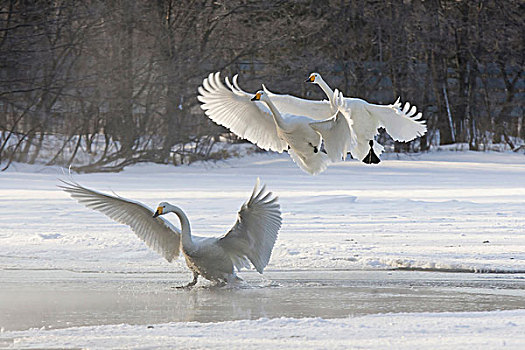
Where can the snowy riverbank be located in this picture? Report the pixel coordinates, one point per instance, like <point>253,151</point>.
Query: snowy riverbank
<point>441,211</point>
<point>474,330</point>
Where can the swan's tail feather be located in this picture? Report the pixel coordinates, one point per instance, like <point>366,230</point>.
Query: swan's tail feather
<point>315,164</point>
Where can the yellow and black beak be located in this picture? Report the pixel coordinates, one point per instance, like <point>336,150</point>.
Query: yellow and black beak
<point>158,212</point>
<point>310,79</point>
<point>257,97</point>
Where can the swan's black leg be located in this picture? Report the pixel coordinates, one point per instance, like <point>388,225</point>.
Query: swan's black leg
<point>192,283</point>
<point>315,147</point>
<point>371,157</point>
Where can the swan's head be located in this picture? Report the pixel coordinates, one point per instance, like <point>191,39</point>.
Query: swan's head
<point>313,78</point>
<point>260,96</point>
<point>161,209</point>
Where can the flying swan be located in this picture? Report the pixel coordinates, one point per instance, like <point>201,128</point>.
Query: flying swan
<point>304,135</point>
<point>281,122</point>
<point>401,124</point>
<point>251,239</point>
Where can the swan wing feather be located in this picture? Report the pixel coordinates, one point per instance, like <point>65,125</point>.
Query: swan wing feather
<point>253,235</point>
<point>231,107</point>
<point>336,136</point>
<point>337,132</point>
<point>158,234</point>
<point>403,124</point>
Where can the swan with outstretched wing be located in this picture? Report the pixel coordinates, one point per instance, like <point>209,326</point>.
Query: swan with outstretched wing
<point>402,123</point>
<point>250,240</point>
<point>304,135</point>
<point>279,122</point>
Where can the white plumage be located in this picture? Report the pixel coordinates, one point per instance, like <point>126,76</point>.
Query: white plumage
<point>251,239</point>
<point>304,135</point>
<point>233,109</point>
<point>402,124</point>
<point>282,122</point>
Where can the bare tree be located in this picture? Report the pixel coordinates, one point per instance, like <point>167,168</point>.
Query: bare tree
<point>104,84</point>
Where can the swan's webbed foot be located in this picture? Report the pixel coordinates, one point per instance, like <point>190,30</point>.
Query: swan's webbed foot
<point>220,284</point>
<point>371,157</point>
<point>191,284</point>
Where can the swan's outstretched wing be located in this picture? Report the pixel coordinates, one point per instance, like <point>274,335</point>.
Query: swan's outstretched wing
<point>255,231</point>
<point>231,107</point>
<point>288,104</point>
<point>337,132</point>
<point>157,233</point>
<point>402,124</point>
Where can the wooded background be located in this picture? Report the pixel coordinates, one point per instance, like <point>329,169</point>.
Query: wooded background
<point>104,84</point>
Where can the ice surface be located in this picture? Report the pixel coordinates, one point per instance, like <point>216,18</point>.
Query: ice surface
<point>58,299</point>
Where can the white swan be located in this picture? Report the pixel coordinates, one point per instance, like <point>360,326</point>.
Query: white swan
<point>303,136</point>
<point>282,122</point>
<point>251,239</point>
<point>402,124</point>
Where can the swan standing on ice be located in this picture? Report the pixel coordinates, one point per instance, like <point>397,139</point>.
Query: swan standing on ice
<point>282,122</point>
<point>400,124</point>
<point>251,239</point>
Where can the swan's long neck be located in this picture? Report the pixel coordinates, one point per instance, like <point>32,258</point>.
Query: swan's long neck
<point>276,114</point>
<point>327,90</point>
<point>185,228</point>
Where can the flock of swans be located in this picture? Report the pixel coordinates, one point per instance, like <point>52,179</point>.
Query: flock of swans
<point>314,133</point>
<point>280,122</point>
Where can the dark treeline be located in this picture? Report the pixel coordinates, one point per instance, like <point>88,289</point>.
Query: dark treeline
<point>104,84</point>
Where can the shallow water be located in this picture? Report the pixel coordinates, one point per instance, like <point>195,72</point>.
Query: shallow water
<point>58,298</point>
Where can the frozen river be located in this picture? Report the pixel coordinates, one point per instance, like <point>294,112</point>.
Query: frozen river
<point>58,298</point>
<point>346,268</point>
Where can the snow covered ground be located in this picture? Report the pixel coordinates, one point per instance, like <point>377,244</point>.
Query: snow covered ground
<point>442,211</point>
<point>476,330</point>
